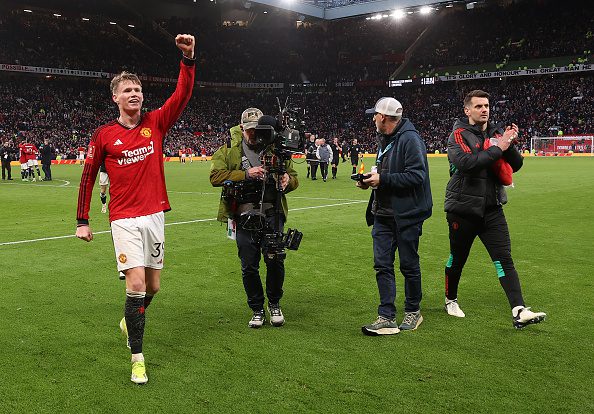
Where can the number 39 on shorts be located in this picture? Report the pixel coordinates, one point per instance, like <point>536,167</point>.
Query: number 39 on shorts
<point>159,248</point>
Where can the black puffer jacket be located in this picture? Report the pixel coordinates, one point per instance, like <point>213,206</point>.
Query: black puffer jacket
<point>473,186</point>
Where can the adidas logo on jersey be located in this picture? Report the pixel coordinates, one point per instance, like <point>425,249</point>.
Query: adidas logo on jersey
<point>118,142</point>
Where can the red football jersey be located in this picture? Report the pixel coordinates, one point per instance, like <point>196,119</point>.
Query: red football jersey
<point>22,154</point>
<point>189,151</point>
<point>134,158</point>
<point>31,151</point>
<point>81,149</point>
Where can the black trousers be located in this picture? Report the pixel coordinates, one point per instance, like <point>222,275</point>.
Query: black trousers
<point>493,232</point>
<point>324,169</point>
<point>249,247</point>
<point>387,238</point>
<point>47,171</point>
<point>6,167</point>
<point>314,169</point>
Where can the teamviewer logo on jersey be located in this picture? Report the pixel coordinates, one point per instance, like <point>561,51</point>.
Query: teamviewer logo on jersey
<point>118,142</point>
<point>139,154</point>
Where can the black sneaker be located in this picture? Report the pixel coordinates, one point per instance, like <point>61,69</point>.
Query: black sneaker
<point>258,319</point>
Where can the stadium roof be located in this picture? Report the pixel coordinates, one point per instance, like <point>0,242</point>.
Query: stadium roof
<point>338,9</point>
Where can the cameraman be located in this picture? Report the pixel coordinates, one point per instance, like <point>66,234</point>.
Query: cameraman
<point>240,161</point>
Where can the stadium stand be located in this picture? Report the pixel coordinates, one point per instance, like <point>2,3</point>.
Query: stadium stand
<point>336,68</point>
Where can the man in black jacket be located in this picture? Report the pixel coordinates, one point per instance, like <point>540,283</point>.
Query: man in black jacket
<point>7,154</point>
<point>473,203</point>
<point>47,154</point>
<point>399,204</point>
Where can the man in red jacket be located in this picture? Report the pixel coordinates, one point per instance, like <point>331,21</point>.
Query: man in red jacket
<point>132,147</point>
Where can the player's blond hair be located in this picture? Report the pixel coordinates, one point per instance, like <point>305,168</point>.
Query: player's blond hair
<point>124,76</point>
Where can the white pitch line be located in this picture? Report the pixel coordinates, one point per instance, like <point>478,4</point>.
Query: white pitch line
<point>324,198</point>
<point>327,205</point>
<point>191,192</point>
<point>66,185</point>
<point>167,224</point>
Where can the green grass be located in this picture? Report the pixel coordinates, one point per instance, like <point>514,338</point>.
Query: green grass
<point>60,303</point>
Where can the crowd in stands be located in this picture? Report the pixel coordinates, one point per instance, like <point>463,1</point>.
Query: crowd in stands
<point>276,49</point>
<point>531,29</point>
<point>68,110</point>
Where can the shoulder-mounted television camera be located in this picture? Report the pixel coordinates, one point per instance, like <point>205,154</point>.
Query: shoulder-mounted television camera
<point>283,132</point>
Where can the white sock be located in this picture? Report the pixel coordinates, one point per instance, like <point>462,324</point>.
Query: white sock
<point>137,357</point>
<point>516,310</point>
<point>450,300</point>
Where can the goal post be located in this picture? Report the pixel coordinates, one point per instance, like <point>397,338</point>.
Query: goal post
<point>562,145</point>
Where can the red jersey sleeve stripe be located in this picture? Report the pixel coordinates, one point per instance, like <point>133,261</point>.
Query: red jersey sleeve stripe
<point>88,178</point>
<point>460,140</point>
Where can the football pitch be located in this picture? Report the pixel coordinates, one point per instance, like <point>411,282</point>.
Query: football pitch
<point>60,303</point>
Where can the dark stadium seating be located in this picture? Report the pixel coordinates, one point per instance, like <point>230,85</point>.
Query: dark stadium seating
<point>67,109</point>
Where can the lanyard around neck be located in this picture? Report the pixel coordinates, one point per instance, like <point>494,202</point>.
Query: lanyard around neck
<point>383,152</point>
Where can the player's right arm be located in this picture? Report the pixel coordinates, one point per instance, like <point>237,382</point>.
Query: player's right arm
<point>92,163</point>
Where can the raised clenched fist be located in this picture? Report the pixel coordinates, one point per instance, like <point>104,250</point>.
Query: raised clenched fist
<point>186,43</point>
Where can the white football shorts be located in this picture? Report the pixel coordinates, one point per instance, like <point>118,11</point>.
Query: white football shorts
<point>139,241</point>
<point>103,178</point>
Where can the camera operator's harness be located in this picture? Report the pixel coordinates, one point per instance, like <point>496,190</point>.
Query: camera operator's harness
<point>247,206</point>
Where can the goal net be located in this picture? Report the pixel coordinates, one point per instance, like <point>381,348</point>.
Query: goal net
<point>562,145</point>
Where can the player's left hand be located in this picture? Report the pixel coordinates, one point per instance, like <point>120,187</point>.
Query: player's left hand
<point>373,181</point>
<point>186,43</point>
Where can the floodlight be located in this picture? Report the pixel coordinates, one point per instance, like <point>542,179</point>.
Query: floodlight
<point>398,14</point>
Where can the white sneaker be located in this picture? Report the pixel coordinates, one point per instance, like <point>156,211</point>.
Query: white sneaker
<point>526,317</point>
<point>276,315</point>
<point>453,309</point>
<point>104,208</point>
<point>33,179</point>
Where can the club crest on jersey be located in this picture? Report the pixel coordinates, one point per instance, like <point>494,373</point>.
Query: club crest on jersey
<point>146,132</point>
<point>122,258</point>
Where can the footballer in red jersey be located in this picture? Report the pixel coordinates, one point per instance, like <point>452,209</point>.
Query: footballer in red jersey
<point>23,162</point>
<point>189,153</point>
<point>132,149</point>
<point>31,151</point>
